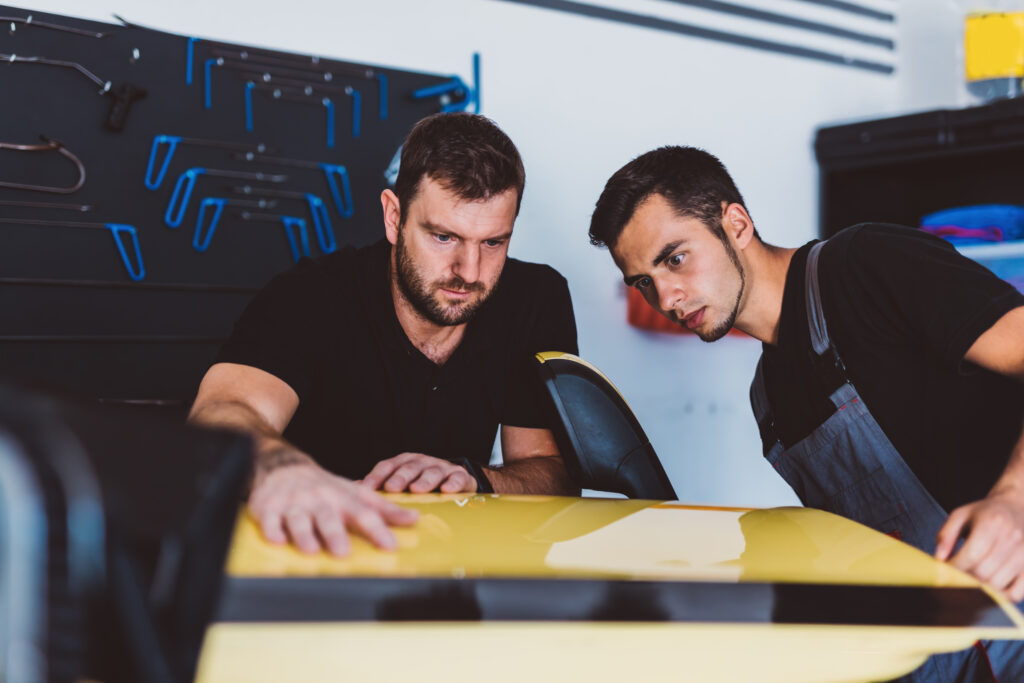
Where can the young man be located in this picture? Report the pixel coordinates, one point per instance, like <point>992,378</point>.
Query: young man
<point>397,362</point>
<point>889,387</point>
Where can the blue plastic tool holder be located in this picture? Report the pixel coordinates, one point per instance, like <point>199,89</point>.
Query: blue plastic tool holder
<point>328,105</point>
<point>118,231</point>
<point>208,81</point>
<point>183,190</point>
<point>201,239</point>
<point>322,224</point>
<point>342,196</point>
<point>172,145</point>
<point>318,210</point>
<point>299,225</point>
<point>329,108</point>
<point>248,105</point>
<point>357,109</point>
<point>456,86</point>
<point>382,97</point>
<point>189,59</point>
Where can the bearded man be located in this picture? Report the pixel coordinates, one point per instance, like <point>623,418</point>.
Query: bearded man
<point>396,363</point>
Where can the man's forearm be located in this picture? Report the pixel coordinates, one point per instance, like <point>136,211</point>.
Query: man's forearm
<point>545,475</point>
<point>270,450</point>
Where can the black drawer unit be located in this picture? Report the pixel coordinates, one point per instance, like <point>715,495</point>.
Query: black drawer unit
<point>896,170</point>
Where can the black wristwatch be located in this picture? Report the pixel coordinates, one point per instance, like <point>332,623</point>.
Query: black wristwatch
<point>483,484</point>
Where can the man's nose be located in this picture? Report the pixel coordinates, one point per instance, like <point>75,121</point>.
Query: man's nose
<point>467,263</point>
<point>669,296</point>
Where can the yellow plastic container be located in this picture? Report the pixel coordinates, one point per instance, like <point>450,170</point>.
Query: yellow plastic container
<point>994,53</point>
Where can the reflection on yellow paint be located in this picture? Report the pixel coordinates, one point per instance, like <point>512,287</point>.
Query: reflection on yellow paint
<point>659,543</point>
<point>477,535</point>
<point>804,545</point>
<point>491,535</point>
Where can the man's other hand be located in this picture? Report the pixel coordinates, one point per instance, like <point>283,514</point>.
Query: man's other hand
<point>316,509</point>
<point>419,473</point>
<point>994,547</point>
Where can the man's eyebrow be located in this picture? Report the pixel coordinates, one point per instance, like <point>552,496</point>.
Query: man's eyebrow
<point>661,256</point>
<point>433,227</point>
<point>666,251</point>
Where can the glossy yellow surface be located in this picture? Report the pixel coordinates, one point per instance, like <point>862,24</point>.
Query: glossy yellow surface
<point>498,536</point>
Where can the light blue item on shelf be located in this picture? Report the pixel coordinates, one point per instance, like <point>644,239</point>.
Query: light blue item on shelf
<point>1007,217</point>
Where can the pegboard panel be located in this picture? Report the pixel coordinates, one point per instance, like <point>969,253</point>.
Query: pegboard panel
<point>131,296</point>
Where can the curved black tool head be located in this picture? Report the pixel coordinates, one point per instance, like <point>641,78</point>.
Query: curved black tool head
<point>603,445</point>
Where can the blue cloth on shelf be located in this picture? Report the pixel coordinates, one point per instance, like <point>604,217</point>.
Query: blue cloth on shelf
<point>1008,218</point>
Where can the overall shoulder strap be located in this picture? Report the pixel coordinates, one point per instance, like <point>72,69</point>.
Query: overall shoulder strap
<point>827,363</point>
<point>815,314</point>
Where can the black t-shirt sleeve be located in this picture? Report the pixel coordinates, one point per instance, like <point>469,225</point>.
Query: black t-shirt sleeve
<point>276,329</point>
<point>932,292</point>
<point>550,326</point>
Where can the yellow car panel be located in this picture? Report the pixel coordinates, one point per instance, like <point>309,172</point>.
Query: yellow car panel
<point>545,588</point>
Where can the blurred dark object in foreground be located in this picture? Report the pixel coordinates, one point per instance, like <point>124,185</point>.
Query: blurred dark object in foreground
<point>114,526</point>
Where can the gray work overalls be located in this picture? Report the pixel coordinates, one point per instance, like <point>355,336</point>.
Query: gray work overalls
<point>848,466</point>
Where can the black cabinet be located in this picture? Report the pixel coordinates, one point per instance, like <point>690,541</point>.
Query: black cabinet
<point>898,169</point>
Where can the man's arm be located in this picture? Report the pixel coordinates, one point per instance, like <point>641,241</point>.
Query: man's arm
<point>291,496</point>
<point>532,465</point>
<point>994,526</point>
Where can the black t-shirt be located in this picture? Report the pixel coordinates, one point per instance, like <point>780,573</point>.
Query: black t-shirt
<point>902,308</point>
<point>328,329</point>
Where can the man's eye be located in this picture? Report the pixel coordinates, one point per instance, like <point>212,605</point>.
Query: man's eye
<point>443,238</point>
<point>493,243</point>
<point>643,283</point>
<point>675,260</point>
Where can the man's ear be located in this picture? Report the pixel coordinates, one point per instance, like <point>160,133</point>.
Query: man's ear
<point>392,214</point>
<point>737,224</point>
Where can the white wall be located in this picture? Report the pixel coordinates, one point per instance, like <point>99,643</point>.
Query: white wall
<point>931,40</point>
<point>581,97</point>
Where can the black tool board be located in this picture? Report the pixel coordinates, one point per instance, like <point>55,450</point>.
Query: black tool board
<point>75,313</point>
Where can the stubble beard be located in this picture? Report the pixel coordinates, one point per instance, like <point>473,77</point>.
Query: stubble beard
<point>723,328</point>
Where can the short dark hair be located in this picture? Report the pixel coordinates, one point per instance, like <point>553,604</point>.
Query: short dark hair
<point>466,153</point>
<point>693,182</point>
